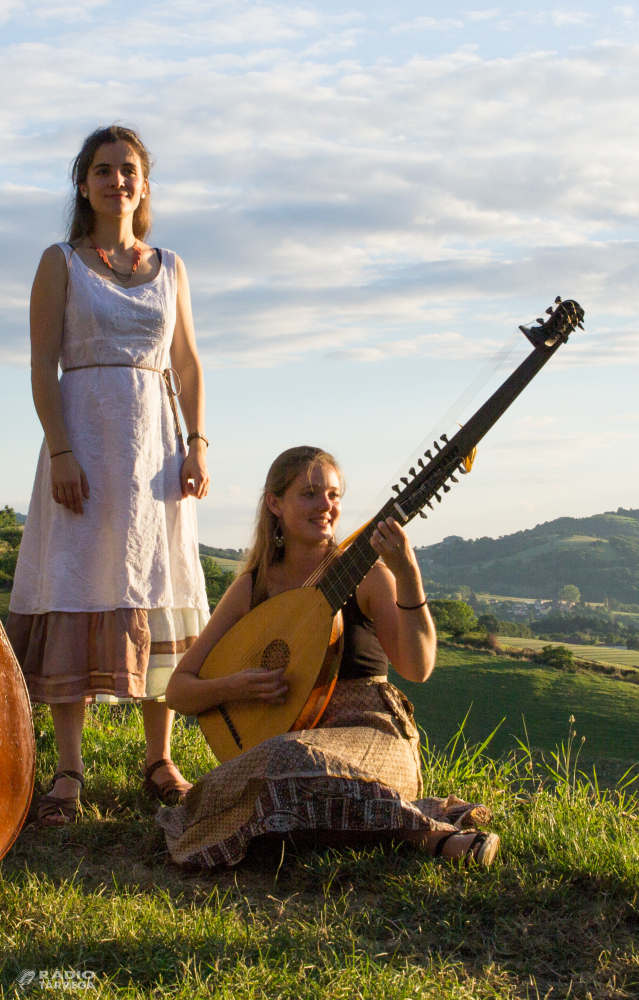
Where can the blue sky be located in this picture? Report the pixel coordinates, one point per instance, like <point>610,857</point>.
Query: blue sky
<point>369,199</point>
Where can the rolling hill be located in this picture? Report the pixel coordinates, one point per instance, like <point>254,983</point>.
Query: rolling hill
<point>599,554</point>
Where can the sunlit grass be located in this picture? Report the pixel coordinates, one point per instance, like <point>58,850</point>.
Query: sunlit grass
<point>559,909</point>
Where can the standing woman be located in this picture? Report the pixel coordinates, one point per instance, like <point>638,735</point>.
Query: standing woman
<point>108,590</point>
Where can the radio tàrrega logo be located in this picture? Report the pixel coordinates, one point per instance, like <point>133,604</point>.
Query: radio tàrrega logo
<point>26,977</point>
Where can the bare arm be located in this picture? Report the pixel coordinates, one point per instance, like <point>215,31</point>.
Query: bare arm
<point>194,475</point>
<point>190,694</point>
<point>48,299</point>
<point>407,637</point>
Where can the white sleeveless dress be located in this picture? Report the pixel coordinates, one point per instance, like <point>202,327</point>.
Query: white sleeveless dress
<point>105,603</point>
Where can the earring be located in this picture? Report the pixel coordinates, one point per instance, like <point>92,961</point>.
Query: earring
<point>84,195</point>
<point>142,196</point>
<point>278,536</point>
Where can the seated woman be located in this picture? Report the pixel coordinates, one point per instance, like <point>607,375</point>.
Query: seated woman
<point>356,777</point>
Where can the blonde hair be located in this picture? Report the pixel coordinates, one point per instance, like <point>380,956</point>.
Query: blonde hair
<point>82,220</point>
<point>285,469</point>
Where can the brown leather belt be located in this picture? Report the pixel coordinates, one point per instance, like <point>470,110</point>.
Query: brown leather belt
<point>166,375</point>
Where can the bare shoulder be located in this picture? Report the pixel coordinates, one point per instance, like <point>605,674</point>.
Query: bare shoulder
<point>51,278</point>
<point>53,259</point>
<point>243,588</point>
<point>378,583</point>
<point>180,268</point>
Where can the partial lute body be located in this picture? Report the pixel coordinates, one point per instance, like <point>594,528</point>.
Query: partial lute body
<point>17,747</point>
<point>297,630</point>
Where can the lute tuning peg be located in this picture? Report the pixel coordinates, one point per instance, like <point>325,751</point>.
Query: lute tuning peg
<point>404,480</point>
<point>421,514</point>
<point>421,463</point>
<point>428,454</point>
<point>438,498</point>
<point>437,445</point>
<point>411,471</point>
<point>444,437</point>
<point>397,488</point>
<point>453,479</point>
<point>446,488</point>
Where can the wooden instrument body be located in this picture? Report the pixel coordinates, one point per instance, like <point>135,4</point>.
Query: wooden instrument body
<point>17,747</point>
<point>297,630</point>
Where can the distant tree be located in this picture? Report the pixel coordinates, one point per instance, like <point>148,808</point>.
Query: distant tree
<point>8,518</point>
<point>489,623</point>
<point>632,642</point>
<point>216,580</point>
<point>570,593</point>
<point>453,617</point>
<point>514,629</point>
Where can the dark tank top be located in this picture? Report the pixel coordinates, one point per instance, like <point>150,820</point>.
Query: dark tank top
<point>363,655</point>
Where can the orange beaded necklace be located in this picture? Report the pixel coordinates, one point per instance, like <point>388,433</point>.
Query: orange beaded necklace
<point>137,254</point>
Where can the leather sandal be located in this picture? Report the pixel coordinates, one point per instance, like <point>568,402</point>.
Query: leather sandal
<point>481,851</point>
<point>54,811</point>
<point>171,792</point>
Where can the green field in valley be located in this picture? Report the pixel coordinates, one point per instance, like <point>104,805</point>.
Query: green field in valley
<point>616,656</point>
<point>492,688</point>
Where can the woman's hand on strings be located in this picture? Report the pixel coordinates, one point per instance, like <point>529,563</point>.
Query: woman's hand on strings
<point>194,476</point>
<point>69,485</point>
<point>391,542</point>
<point>259,684</point>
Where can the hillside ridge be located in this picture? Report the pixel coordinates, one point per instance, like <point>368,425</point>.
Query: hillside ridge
<point>599,554</point>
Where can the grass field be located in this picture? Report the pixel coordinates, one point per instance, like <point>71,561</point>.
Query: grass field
<point>598,654</point>
<point>492,688</point>
<point>556,917</point>
<point>4,606</point>
<point>227,564</point>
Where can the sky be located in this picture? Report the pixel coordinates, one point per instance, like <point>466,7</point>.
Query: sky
<point>369,199</point>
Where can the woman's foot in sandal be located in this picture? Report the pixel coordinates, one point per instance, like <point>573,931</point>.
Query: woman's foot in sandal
<point>60,806</point>
<point>471,848</point>
<point>162,780</point>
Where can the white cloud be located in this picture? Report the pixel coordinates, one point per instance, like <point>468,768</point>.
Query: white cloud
<point>428,24</point>
<point>482,15</point>
<point>343,208</point>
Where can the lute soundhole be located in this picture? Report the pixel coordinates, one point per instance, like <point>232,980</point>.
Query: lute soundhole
<point>276,656</point>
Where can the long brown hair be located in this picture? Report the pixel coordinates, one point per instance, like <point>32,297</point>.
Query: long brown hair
<point>82,216</point>
<point>285,469</point>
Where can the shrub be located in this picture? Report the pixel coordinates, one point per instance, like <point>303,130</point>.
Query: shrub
<point>557,656</point>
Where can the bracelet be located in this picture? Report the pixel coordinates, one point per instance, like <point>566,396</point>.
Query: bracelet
<point>412,607</point>
<point>66,452</point>
<point>196,434</point>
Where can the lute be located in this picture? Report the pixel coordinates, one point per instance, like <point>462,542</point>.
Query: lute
<point>301,629</point>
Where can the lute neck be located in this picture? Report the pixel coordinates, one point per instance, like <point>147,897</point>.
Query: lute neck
<point>347,572</point>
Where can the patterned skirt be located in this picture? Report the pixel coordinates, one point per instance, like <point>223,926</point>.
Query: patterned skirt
<point>357,772</point>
